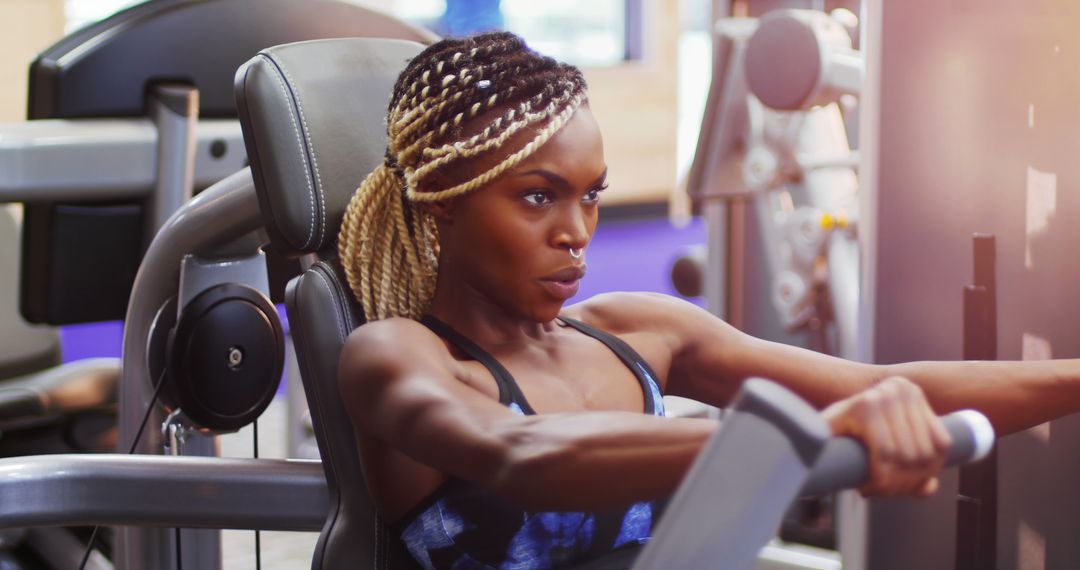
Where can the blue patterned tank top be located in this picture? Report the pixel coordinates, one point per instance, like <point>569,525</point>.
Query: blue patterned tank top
<point>463,527</point>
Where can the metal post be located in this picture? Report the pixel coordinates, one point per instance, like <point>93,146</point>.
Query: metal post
<point>976,508</point>
<point>713,280</point>
<point>734,264</point>
<point>174,109</point>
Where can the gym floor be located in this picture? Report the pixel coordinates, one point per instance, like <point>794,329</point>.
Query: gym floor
<point>625,255</point>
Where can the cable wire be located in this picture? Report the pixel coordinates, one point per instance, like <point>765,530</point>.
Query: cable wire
<point>255,447</point>
<point>131,451</point>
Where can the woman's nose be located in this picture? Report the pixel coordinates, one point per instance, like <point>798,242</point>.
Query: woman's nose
<point>575,232</point>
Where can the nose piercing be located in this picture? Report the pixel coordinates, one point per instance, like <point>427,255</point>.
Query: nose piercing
<point>576,253</point>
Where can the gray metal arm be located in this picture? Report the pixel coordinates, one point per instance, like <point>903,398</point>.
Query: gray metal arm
<point>189,492</point>
<point>99,159</point>
<point>221,215</point>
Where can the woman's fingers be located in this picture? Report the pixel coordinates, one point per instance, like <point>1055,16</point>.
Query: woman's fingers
<point>919,417</point>
<point>929,487</point>
<point>905,440</point>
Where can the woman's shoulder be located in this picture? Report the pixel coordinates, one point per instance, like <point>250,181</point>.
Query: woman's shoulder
<point>394,342</point>
<point>391,330</point>
<point>627,312</point>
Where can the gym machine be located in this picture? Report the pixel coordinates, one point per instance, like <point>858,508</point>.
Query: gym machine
<point>322,312</point>
<point>968,127</point>
<point>225,217</point>
<point>129,118</point>
<point>774,178</point>
<point>965,125</point>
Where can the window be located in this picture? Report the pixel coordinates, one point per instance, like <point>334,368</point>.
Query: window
<point>80,13</point>
<point>592,33</point>
<point>595,33</point>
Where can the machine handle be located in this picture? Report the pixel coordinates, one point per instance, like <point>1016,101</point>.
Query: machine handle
<point>843,463</point>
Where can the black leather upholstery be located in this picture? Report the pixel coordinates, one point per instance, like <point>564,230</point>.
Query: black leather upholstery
<point>313,120</point>
<point>314,115</point>
<point>322,313</point>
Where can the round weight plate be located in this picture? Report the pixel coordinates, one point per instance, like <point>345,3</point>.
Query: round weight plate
<point>783,62</point>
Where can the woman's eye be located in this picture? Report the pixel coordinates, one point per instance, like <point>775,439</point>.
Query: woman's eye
<point>538,198</point>
<point>593,196</point>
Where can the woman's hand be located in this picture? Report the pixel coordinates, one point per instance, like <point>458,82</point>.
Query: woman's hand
<point>906,442</point>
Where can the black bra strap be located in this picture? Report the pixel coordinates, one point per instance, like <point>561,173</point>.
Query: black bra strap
<point>509,392</point>
<point>628,355</point>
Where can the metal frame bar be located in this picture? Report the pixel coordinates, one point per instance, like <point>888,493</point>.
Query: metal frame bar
<point>104,159</point>
<point>633,30</point>
<point>222,214</point>
<point>189,492</point>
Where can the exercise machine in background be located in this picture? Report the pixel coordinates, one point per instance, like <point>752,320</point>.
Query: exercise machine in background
<point>966,125</point>
<point>129,118</point>
<point>774,175</point>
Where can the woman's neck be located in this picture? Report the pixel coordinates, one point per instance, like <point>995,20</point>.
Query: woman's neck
<point>481,319</point>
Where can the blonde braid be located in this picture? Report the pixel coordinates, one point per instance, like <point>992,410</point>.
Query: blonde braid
<point>511,161</point>
<point>353,243</point>
<point>389,244</point>
<point>376,247</point>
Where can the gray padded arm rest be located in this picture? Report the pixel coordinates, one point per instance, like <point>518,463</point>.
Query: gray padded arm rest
<point>313,115</point>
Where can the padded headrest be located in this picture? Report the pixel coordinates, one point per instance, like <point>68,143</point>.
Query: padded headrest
<point>314,121</point>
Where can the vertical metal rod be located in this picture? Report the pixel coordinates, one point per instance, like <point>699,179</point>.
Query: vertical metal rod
<point>633,30</point>
<point>715,278</point>
<point>735,268</point>
<point>175,112</point>
<point>976,509</point>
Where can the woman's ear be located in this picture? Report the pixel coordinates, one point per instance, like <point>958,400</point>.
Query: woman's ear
<point>442,210</point>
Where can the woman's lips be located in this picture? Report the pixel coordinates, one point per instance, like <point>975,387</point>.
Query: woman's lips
<point>561,290</point>
<point>564,283</point>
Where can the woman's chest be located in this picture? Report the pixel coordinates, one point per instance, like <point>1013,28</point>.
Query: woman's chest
<point>576,374</point>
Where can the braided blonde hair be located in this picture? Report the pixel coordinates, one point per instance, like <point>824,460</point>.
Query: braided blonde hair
<point>388,241</point>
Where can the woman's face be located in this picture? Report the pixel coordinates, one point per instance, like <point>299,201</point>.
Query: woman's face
<point>511,241</point>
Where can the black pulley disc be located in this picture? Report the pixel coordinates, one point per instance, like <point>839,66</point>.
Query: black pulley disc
<point>225,356</point>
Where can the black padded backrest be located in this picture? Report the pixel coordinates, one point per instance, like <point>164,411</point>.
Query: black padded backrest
<point>313,116</point>
<point>314,120</point>
<point>322,313</point>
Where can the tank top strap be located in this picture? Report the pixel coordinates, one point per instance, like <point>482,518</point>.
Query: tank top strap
<point>509,391</point>
<point>641,369</point>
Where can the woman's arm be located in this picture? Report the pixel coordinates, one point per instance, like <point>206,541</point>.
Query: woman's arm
<point>1014,395</point>
<point>710,359</point>
<point>713,358</point>
<point>399,385</point>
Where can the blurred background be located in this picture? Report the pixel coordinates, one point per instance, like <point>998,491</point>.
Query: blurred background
<point>646,61</point>
<point>881,183</point>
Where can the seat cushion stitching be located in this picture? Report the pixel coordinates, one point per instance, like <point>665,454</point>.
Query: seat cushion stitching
<point>314,158</point>
<point>300,145</point>
<point>337,314</point>
<point>345,301</point>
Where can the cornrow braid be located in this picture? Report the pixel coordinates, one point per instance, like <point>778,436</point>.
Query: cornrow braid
<point>389,241</point>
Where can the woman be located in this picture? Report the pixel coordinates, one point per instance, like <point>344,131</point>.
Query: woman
<point>499,428</point>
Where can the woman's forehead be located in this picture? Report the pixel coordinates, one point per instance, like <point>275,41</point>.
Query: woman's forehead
<point>578,145</point>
